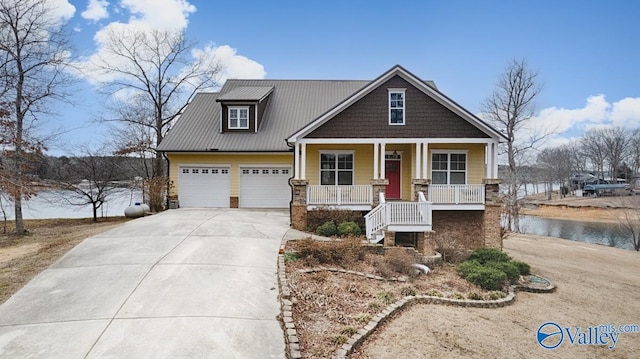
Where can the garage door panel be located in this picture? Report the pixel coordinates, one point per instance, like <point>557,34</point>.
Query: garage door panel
<point>204,187</point>
<point>266,187</point>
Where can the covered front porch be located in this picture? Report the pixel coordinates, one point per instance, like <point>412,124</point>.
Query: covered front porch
<point>360,197</point>
<point>349,174</point>
<point>400,181</point>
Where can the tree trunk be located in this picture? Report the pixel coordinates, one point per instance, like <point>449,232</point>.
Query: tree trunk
<point>18,213</point>
<point>95,212</point>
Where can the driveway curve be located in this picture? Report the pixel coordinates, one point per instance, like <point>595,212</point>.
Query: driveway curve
<point>186,283</point>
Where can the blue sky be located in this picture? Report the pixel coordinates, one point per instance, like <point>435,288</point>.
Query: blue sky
<point>585,52</point>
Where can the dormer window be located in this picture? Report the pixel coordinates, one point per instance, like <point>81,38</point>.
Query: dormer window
<point>238,118</point>
<point>396,106</point>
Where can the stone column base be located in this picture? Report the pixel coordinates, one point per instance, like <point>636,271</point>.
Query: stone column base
<point>491,226</point>
<point>420,185</point>
<point>379,185</point>
<point>299,217</point>
<point>389,239</point>
<point>424,243</point>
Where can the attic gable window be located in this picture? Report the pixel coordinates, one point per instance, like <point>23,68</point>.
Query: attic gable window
<point>239,118</point>
<point>396,106</point>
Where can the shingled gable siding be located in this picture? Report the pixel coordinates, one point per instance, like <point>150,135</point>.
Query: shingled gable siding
<point>424,117</point>
<point>225,117</point>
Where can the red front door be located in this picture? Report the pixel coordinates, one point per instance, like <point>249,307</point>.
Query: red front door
<point>392,172</point>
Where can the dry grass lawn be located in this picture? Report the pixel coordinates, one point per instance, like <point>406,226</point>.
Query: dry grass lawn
<point>23,257</point>
<point>595,285</point>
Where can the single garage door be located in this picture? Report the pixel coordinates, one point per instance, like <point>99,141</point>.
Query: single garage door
<point>265,187</point>
<point>203,186</point>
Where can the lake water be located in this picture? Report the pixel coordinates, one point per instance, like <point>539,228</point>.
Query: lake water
<point>607,234</point>
<point>50,204</point>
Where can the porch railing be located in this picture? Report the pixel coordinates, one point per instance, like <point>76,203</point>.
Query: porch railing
<point>456,193</point>
<point>339,195</point>
<point>398,214</point>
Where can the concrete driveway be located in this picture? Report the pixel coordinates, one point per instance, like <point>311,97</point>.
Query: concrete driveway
<point>187,283</point>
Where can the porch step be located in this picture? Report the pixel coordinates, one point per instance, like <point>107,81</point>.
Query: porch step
<point>376,237</point>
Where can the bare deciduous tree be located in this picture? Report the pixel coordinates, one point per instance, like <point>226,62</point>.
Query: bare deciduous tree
<point>90,178</point>
<point>556,165</point>
<point>634,152</point>
<point>594,147</point>
<point>616,141</point>
<point>155,71</point>
<point>630,220</point>
<point>510,108</point>
<point>33,54</point>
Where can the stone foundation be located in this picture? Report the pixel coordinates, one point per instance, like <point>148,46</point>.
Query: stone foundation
<point>389,239</point>
<point>299,204</point>
<point>299,217</point>
<point>491,226</point>
<point>233,202</point>
<point>463,227</point>
<point>424,243</point>
<point>492,213</point>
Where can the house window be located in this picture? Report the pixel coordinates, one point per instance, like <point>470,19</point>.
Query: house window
<point>396,106</point>
<point>449,168</point>
<point>336,168</point>
<point>238,118</point>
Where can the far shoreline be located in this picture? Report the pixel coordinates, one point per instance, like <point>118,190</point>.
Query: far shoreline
<point>586,209</point>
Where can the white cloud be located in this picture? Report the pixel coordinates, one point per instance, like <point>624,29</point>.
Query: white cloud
<point>626,112</point>
<point>159,14</point>
<point>562,119</point>
<point>96,10</point>
<point>171,15</point>
<point>59,11</point>
<point>234,65</point>
<point>569,124</point>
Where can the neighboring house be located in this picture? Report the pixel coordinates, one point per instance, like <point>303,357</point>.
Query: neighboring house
<point>395,147</point>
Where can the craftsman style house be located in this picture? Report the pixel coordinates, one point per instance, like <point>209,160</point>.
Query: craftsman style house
<point>395,148</point>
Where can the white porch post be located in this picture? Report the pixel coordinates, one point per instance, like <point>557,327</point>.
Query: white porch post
<point>376,160</point>
<point>303,161</point>
<point>494,156</point>
<point>418,172</point>
<point>382,161</point>
<point>296,160</point>
<point>489,156</point>
<point>425,159</point>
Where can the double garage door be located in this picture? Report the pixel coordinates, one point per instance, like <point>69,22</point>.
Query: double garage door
<point>259,187</point>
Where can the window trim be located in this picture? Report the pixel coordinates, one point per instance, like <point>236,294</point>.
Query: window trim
<point>335,170</point>
<point>403,108</point>
<point>238,108</point>
<point>449,153</point>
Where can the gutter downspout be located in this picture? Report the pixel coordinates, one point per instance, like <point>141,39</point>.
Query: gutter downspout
<point>164,154</point>
<point>293,148</point>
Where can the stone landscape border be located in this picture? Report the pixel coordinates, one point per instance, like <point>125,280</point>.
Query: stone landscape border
<point>286,306</point>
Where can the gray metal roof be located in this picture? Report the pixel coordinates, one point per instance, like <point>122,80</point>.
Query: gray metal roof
<point>292,105</point>
<point>246,93</point>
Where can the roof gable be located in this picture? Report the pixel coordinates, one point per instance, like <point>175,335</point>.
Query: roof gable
<point>419,84</point>
<point>368,117</point>
<point>292,104</point>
